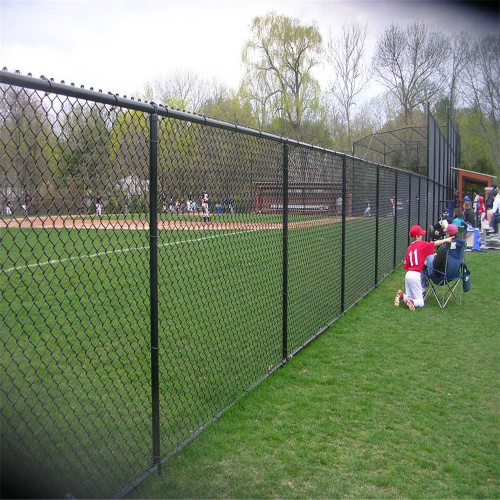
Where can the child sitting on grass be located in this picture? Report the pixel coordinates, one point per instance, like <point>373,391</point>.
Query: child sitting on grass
<point>414,262</point>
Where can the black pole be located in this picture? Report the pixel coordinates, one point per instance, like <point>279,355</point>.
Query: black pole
<point>418,200</point>
<point>285,252</point>
<point>395,218</point>
<point>153,269</point>
<point>377,215</point>
<point>409,204</point>
<point>344,206</point>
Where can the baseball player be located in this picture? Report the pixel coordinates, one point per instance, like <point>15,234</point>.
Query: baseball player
<point>204,206</point>
<point>98,204</point>
<point>416,254</point>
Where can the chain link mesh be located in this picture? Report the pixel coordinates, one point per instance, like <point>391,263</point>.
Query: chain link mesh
<point>76,276</point>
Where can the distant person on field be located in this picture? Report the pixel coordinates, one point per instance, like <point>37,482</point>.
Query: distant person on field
<point>417,252</point>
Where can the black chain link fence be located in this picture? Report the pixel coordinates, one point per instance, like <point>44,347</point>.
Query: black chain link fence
<point>150,276</point>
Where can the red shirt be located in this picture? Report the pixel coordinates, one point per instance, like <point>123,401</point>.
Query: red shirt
<point>416,254</point>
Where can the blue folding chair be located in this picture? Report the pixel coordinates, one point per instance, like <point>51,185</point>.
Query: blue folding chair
<point>449,284</point>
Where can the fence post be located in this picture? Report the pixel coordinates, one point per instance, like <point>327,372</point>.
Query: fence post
<point>285,252</point>
<point>344,206</point>
<point>153,270</point>
<point>409,203</point>
<point>418,200</point>
<point>395,219</point>
<point>377,215</point>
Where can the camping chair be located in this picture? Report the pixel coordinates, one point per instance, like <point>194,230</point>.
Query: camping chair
<point>449,284</point>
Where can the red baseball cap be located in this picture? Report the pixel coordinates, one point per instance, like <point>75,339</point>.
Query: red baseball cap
<point>416,231</point>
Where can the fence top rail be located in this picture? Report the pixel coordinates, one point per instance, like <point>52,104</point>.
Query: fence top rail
<point>49,85</point>
<point>45,84</point>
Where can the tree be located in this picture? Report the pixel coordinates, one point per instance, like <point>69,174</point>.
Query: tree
<point>84,144</point>
<point>28,143</point>
<point>228,106</point>
<point>410,63</point>
<point>345,54</point>
<point>279,59</point>
<point>482,92</point>
<point>459,60</point>
<point>180,90</point>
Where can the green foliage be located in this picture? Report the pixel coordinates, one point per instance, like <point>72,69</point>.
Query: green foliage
<point>279,58</point>
<point>231,108</point>
<point>479,148</point>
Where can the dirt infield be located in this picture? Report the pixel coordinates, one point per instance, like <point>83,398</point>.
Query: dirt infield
<point>77,222</point>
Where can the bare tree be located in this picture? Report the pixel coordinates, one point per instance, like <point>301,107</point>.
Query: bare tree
<point>410,63</point>
<point>482,86</point>
<point>345,54</point>
<point>179,89</point>
<point>459,60</point>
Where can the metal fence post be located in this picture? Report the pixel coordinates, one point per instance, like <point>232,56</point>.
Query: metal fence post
<point>344,205</point>
<point>377,215</point>
<point>409,203</point>
<point>153,235</point>
<point>395,219</point>
<point>285,252</point>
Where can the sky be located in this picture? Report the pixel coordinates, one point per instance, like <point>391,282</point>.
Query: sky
<point>118,46</point>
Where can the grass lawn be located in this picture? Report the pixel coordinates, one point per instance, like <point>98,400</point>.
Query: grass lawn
<point>387,403</point>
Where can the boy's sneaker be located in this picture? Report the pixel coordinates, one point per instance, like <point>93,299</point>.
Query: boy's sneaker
<point>410,304</point>
<point>398,298</point>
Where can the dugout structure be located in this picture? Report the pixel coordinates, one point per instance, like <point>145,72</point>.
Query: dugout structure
<point>303,198</point>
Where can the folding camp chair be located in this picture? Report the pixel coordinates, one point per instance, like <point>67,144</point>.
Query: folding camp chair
<point>449,284</point>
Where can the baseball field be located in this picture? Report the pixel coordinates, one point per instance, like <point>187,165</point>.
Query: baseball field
<point>76,388</point>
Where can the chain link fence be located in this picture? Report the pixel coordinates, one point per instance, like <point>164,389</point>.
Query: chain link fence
<point>158,265</point>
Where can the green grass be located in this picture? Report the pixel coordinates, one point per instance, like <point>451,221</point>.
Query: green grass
<point>387,403</point>
<point>76,397</point>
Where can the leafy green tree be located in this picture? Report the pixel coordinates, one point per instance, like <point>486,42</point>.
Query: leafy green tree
<point>475,132</point>
<point>279,59</point>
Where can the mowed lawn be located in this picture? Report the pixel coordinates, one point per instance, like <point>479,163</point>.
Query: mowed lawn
<point>77,391</point>
<point>387,403</point>
<point>76,360</point>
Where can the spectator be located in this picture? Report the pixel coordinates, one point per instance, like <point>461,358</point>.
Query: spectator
<point>437,261</point>
<point>493,215</point>
<point>416,254</point>
<point>490,197</point>
<point>458,219</point>
<point>468,212</point>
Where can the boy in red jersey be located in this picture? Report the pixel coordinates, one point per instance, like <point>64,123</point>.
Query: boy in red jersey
<point>416,254</point>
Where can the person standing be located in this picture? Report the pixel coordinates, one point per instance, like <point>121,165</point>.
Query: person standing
<point>7,209</point>
<point>98,204</point>
<point>204,206</point>
<point>25,206</point>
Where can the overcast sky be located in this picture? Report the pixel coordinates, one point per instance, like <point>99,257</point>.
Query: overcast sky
<point>118,46</point>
